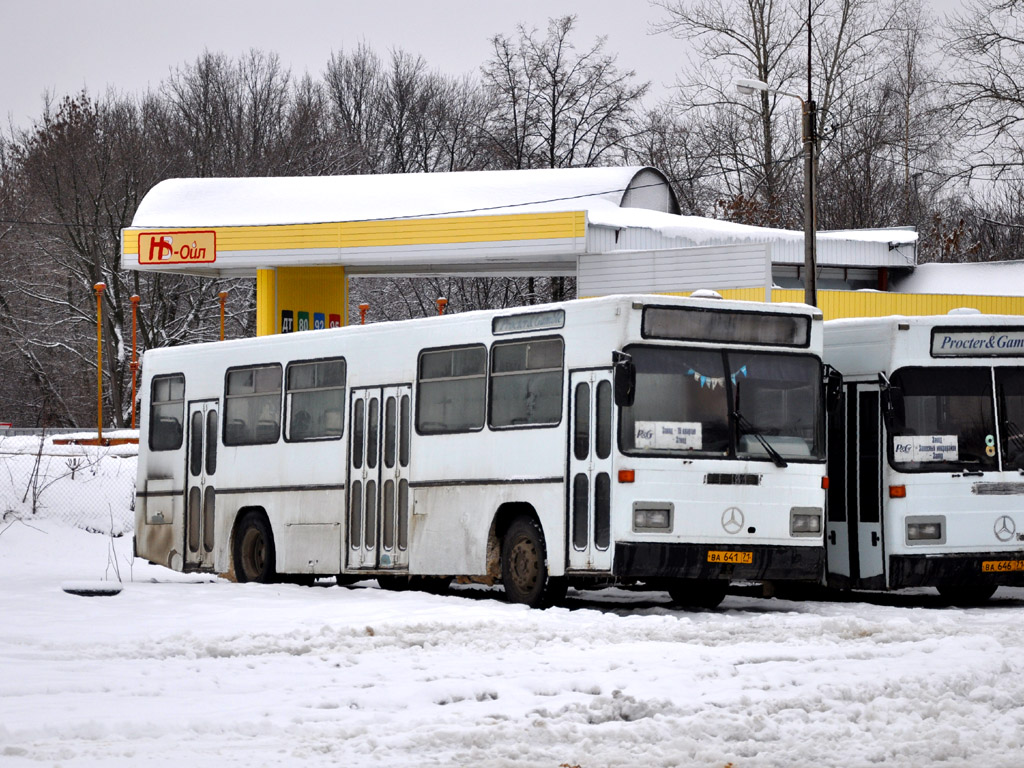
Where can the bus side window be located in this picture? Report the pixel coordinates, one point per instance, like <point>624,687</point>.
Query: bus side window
<point>315,399</point>
<point>167,412</point>
<point>252,405</point>
<point>450,389</point>
<point>526,383</point>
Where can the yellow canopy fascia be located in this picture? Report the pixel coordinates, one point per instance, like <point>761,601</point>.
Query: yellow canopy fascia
<point>324,238</point>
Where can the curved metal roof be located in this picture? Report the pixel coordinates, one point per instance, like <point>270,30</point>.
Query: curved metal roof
<point>263,201</point>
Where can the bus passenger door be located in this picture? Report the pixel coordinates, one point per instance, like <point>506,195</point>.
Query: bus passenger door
<point>842,455</point>
<point>590,468</point>
<point>363,478</point>
<point>200,495</point>
<point>870,549</point>
<point>393,535</point>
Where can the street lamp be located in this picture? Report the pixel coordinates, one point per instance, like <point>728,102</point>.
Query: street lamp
<point>747,87</point>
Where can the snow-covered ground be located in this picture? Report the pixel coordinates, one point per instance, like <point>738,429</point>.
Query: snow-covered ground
<point>90,487</point>
<point>179,670</point>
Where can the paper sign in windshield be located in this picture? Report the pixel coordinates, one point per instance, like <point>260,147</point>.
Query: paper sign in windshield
<point>668,435</point>
<point>921,448</point>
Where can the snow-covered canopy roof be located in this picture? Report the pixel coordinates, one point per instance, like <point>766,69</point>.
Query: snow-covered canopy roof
<point>645,229</point>
<point>994,278</point>
<point>480,222</point>
<point>232,202</point>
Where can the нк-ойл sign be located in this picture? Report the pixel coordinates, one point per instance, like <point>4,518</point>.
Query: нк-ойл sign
<point>181,247</point>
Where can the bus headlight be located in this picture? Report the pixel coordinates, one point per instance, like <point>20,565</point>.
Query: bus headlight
<point>805,521</point>
<point>652,517</point>
<point>929,529</point>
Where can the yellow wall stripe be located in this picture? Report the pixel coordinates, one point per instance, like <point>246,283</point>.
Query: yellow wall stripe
<point>840,304</point>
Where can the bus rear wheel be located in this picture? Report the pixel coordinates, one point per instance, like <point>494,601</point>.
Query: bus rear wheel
<point>524,570</point>
<point>966,597</point>
<point>254,550</point>
<point>690,593</point>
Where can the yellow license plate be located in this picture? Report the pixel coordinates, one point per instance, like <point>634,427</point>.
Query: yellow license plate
<point>730,557</point>
<point>1002,566</point>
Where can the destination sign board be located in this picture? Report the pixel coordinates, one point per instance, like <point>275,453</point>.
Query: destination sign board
<point>984,341</point>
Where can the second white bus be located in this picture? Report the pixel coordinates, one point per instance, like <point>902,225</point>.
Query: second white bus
<point>926,454</point>
<point>672,443</point>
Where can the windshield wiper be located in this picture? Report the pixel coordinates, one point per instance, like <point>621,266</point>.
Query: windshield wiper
<point>749,429</point>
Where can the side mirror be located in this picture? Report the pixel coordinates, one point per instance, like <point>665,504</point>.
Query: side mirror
<point>891,398</point>
<point>624,378</point>
<point>833,388</point>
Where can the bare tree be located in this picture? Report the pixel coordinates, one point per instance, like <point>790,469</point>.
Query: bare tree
<point>986,82</point>
<point>554,106</point>
<point>741,39</point>
<point>672,146</point>
<point>355,86</point>
<point>768,41</point>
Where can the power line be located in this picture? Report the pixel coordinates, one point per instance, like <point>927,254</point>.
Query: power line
<point>544,201</point>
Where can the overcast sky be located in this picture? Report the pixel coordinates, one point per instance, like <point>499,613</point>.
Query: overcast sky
<point>61,46</point>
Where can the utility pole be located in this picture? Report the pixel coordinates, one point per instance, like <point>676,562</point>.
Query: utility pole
<point>810,132</point>
<point>810,138</point>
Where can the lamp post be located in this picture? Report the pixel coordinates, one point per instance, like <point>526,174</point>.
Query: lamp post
<point>810,139</point>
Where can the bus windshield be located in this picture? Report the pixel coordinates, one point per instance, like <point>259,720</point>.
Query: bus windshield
<point>946,422</point>
<point>724,403</point>
<point>1010,386</point>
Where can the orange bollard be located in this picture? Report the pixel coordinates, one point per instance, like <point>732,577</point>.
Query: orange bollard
<point>223,295</point>
<point>135,360</point>
<point>99,288</point>
<point>363,308</point>
<point>442,302</point>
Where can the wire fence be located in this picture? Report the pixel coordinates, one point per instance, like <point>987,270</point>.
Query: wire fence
<point>89,487</point>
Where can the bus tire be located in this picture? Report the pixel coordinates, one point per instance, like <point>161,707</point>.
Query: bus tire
<point>690,593</point>
<point>394,583</point>
<point>432,585</point>
<point>524,569</point>
<point>967,597</point>
<point>254,551</point>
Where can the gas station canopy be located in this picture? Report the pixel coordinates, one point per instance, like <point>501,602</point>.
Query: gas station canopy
<point>615,229</point>
<point>483,222</point>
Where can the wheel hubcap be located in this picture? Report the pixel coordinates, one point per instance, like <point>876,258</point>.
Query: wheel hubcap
<point>255,554</point>
<point>525,565</point>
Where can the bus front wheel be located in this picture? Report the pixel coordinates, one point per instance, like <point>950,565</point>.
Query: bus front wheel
<point>254,550</point>
<point>689,593</point>
<point>524,570</point>
<point>967,597</point>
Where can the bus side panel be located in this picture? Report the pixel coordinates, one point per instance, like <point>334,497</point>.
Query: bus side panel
<point>306,526</point>
<point>450,525</point>
<point>158,523</point>
<point>160,506</point>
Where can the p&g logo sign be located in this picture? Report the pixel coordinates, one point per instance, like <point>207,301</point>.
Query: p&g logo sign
<point>983,342</point>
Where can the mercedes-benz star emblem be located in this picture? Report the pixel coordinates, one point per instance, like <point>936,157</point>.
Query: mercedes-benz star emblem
<point>732,520</point>
<point>1005,528</point>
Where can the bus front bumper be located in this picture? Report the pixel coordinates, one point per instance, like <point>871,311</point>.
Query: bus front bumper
<point>1005,569</point>
<point>648,560</point>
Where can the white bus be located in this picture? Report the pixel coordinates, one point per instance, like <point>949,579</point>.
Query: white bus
<point>497,446</point>
<point>926,454</point>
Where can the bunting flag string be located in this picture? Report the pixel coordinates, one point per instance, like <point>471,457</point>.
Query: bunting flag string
<point>714,382</point>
